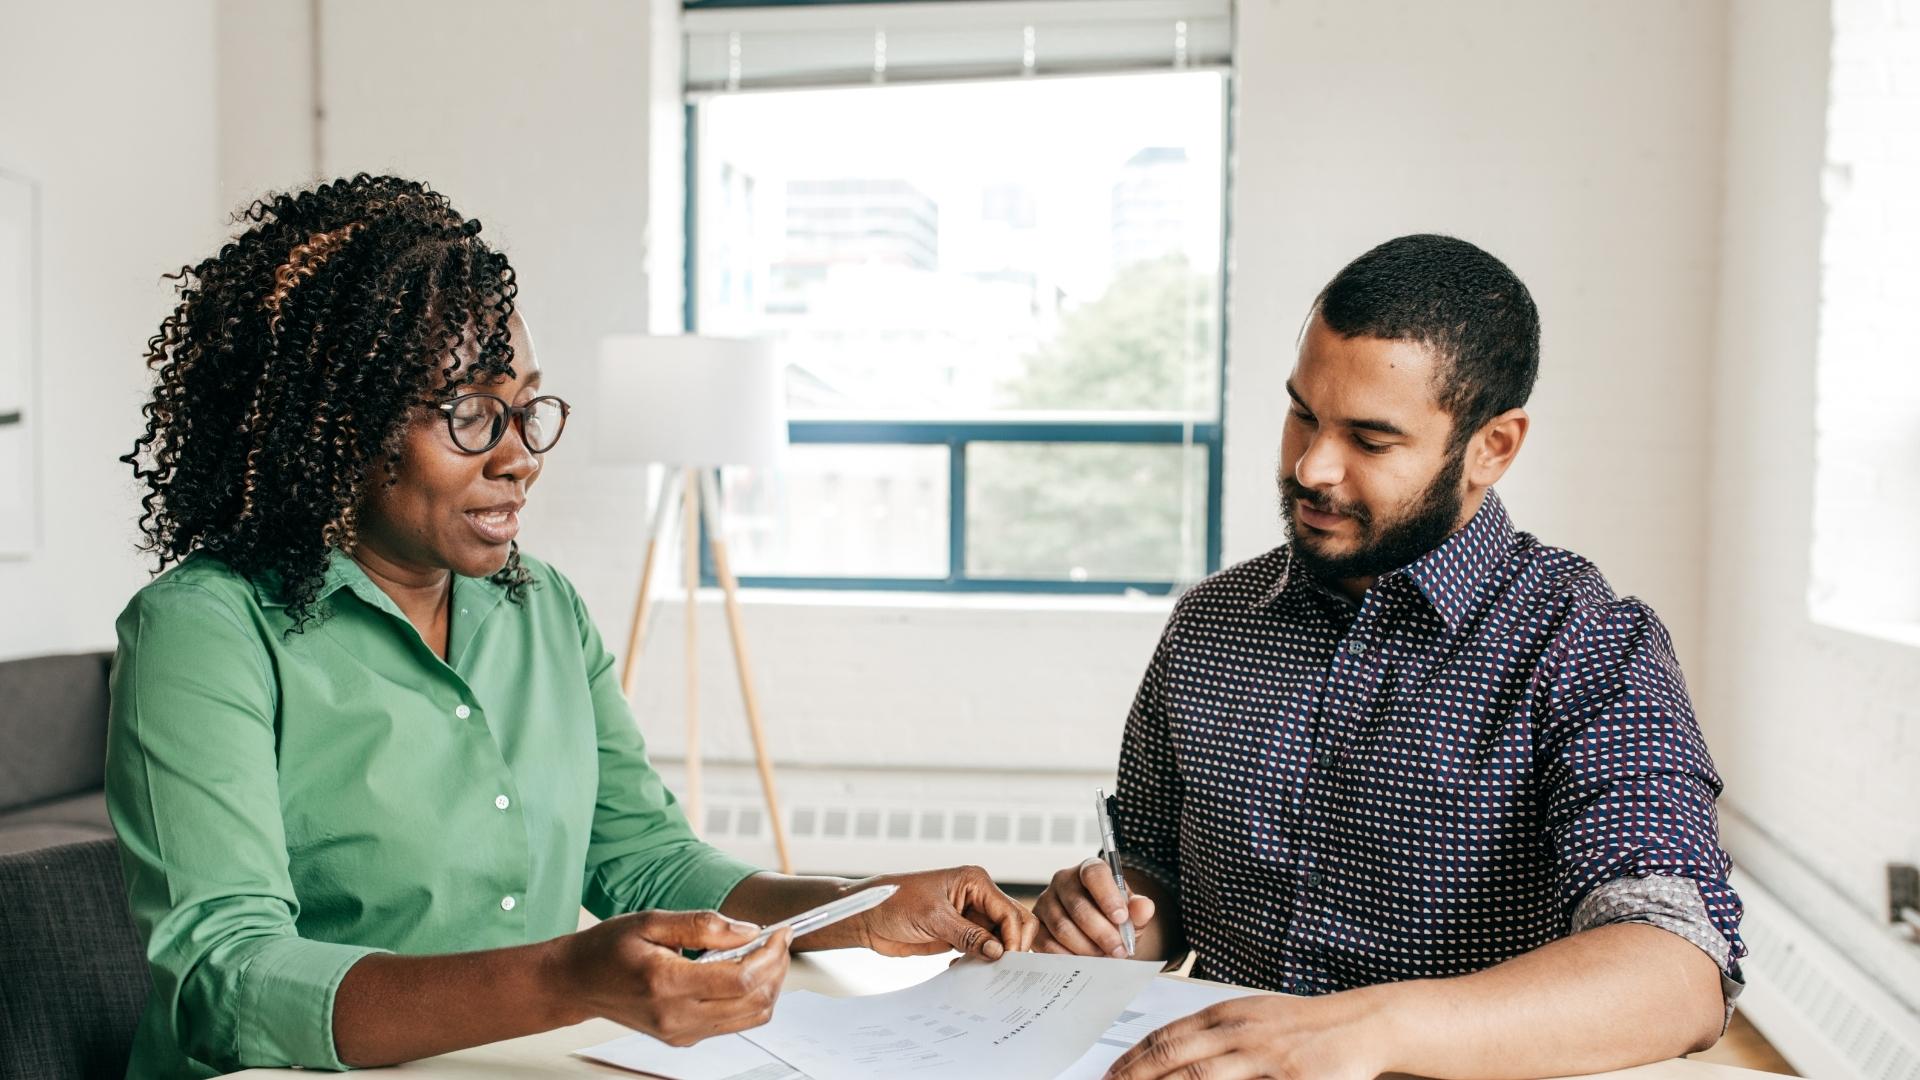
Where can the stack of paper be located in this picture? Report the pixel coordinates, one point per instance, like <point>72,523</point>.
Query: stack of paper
<point>1028,1015</point>
<point>1025,1017</point>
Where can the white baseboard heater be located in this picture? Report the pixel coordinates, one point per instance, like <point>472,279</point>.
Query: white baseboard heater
<point>1835,992</point>
<point>1021,826</point>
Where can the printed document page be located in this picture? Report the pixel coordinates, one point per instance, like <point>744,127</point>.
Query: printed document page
<point>723,1057</point>
<point>1025,1016</point>
<point>1160,1004</point>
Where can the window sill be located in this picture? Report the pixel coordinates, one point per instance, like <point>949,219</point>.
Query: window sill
<point>1883,631</point>
<point>888,600</point>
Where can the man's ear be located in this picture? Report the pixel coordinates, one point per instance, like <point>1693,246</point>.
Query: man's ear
<point>1493,448</point>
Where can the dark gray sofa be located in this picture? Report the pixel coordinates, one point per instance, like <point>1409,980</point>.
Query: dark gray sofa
<point>53,742</point>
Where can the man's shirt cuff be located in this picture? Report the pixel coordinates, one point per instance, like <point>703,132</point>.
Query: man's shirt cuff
<point>1673,904</point>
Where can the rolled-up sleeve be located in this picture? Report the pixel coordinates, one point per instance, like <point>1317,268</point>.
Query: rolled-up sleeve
<point>641,854</point>
<point>1628,787</point>
<point>193,793</point>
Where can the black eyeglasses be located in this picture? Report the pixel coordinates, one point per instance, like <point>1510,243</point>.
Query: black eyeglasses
<point>477,422</point>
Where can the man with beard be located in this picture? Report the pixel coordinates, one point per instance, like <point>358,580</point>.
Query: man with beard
<point>1419,771</point>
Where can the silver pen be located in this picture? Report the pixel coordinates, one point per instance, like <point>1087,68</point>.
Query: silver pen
<point>1110,853</point>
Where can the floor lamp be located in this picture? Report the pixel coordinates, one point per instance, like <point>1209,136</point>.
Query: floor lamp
<point>694,404</point>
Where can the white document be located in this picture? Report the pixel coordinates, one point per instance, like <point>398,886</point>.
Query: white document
<point>1025,1016</point>
<point>1160,1004</point>
<point>723,1057</point>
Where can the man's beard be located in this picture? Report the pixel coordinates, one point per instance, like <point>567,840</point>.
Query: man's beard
<point>1426,526</point>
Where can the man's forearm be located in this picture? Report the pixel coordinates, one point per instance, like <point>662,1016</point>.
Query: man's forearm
<point>1607,998</point>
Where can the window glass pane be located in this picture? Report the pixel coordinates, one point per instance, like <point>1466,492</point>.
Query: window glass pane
<point>1086,511</point>
<point>842,511</point>
<point>974,249</point>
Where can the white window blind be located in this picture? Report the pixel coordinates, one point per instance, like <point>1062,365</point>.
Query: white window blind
<point>817,45</point>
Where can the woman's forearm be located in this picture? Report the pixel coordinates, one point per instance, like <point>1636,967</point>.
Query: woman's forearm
<point>630,969</point>
<point>768,897</point>
<point>391,1009</point>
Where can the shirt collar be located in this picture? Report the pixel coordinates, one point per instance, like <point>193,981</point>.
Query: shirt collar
<point>1446,577</point>
<point>1289,576</point>
<point>1449,575</point>
<point>344,573</point>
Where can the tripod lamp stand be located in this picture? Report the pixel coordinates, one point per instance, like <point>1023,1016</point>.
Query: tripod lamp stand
<point>694,404</point>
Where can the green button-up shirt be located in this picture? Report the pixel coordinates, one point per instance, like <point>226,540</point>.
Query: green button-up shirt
<point>287,804</point>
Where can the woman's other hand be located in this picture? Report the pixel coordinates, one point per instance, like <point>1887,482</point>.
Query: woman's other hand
<point>936,910</point>
<point>630,970</point>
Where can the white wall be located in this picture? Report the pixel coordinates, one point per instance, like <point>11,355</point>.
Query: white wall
<point>266,97</point>
<point>118,129</point>
<point>1571,139</point>
<point>1579,142</point>
<point>1817,730</point>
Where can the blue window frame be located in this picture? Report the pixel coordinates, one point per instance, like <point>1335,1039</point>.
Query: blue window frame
<point>957,436</point>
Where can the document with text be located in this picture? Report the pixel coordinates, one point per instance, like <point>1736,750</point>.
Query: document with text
<point>734,1057</point>
<point>1160,1004</point>
<point>1026,1016</point>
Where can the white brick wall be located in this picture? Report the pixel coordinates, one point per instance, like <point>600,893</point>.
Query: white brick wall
<point>864,681</point>
<point>1867,427</point>
<point>1815,728</point>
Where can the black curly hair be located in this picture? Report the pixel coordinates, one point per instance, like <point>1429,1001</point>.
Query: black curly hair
<point>292,364</point>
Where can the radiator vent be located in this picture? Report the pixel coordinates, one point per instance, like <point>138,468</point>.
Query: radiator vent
<point>1819,1011</point>
<point>1027,844</point>
<point>952,824</point>
<point>1022,828</point>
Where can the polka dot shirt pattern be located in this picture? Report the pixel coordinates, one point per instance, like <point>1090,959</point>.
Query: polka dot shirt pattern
<point>1419,785</point>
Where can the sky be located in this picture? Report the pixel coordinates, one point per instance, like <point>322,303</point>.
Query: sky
<point>1065,139</point>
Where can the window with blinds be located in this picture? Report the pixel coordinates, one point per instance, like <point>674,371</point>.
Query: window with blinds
<point>731,46</point>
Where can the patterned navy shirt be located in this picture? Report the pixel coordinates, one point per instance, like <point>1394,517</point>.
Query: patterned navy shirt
<point>1487,752</point>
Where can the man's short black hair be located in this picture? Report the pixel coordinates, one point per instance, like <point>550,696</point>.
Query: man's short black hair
<point>1455,299</point>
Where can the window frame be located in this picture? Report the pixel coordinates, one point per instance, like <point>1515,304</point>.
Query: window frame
<point>958,434</point>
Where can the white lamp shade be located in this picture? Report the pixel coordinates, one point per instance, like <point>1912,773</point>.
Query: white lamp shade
<point>690,401</point>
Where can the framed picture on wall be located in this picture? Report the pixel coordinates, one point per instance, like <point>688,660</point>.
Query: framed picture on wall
<point>19,345</point>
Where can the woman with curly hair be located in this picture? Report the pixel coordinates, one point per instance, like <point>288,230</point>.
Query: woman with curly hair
<point>367,760</point>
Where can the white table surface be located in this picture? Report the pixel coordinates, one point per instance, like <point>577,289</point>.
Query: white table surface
<point>840,972</point>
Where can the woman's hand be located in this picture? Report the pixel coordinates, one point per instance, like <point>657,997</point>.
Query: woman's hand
<point>629,970</point>
<point>936,910</point>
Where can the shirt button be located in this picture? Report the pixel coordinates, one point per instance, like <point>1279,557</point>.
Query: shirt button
<point>501,802</point>
<point>506,903</point>
<point>1356,648</point>
<point>1313,881</point>
<point>462,712</point>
